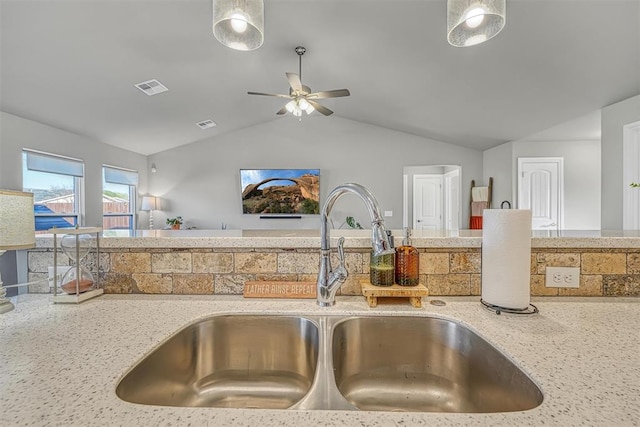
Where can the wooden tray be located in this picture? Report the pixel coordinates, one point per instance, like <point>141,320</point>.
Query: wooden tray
<point>414,293</point>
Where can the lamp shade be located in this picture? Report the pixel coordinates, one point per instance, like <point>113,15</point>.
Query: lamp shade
<point>470,22</point>
<point>150,203</point>
<point>17,221</point>
<point>239,24</point>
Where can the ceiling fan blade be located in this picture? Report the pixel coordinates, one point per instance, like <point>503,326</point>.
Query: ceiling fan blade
<point>279,95</point>
<point>320,108</point>
<point>294,81</point>
<point>329,94</point>
<point>282,111</point>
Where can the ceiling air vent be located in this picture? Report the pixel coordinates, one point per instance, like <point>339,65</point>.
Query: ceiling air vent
<point>152,87</point>
<point>206,124</point>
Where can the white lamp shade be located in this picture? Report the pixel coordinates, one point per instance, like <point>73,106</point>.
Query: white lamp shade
<point>17,220</point>
<point>150,203</point>
<point>470,22</point>
<point>239,24</point>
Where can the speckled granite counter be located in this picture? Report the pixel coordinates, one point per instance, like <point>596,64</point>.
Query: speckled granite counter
<point>354,239</point>
<point>61,364</point>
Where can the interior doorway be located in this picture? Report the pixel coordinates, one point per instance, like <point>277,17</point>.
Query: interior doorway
<point>432,197</point>
<point>540,188</point>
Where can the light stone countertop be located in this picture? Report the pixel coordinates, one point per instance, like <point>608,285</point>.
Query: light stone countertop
<point>61,364</point>
<point>353,239</point>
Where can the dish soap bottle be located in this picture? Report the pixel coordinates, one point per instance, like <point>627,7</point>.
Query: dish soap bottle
<point>407,262</point>
<point>381,270</point>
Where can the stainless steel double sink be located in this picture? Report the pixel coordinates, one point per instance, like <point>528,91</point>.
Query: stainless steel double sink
<point>373,363</point>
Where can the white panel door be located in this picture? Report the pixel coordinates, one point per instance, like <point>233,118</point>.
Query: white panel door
<point>427,202</point>
<point>452,200</point>
<point>540,182</point>
<point>631,173</point>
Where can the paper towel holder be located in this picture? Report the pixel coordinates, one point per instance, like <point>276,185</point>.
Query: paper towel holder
<point>531,309</point>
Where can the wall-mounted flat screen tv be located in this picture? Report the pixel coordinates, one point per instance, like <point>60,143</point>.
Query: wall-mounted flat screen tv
<point>280,191</point>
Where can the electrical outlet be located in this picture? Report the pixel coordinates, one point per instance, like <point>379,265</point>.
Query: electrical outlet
<point>388,213</point>
<point>562,277</point>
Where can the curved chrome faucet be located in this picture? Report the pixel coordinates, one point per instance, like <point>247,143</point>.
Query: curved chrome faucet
<point>329,280</point>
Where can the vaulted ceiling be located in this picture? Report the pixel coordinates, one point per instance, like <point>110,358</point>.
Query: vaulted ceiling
<point>73,64</point>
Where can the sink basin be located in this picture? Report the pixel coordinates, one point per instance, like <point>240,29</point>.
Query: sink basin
<point>237,361</point>
<point>425,364</point>
<point>419,364</point>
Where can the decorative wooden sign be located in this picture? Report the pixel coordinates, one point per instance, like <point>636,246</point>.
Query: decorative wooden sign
<point>273,289</point>
<point>414,293</point>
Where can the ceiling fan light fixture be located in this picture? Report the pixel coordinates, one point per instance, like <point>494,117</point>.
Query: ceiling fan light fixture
<point>239,24</point>
<point>471,22</point>
<point>303,103</point>
<point>310,109</point>
<point>301,97</point>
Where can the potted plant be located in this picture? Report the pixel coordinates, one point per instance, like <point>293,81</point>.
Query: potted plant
<point>175,223</point>
<point>352,223</point>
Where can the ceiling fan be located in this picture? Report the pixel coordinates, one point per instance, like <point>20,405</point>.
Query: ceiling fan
<point>301,97</point>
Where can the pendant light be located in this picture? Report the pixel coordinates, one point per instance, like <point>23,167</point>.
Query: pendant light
<point>470,22</point>
<point>239,24</point>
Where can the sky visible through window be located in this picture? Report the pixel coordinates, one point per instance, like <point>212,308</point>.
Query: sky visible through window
<point>33,180</point>
<point>43,180</point>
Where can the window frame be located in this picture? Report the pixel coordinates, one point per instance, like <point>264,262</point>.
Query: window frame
<point>133,193</point>
<point>78,213</point>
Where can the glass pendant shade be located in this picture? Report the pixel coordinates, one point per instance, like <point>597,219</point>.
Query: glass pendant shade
<point>239,24</point>
<point>298,105</point>
<point>303,104</point>
<point>470,22</point>
<point>310,109</point>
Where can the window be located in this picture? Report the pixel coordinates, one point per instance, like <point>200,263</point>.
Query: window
<point>119,189</point>
<point>57,186</point>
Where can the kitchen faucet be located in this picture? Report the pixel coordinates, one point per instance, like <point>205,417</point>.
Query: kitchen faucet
<point>329,280</point>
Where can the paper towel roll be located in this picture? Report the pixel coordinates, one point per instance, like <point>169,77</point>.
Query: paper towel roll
<point>506,257</point>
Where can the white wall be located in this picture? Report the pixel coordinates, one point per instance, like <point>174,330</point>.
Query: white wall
<point>201,180</point>
<point>498,163</point>
<point>17,133</point>
<point>614,117</point>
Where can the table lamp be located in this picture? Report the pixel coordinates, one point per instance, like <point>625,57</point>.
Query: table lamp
<point>17,230</point>
<point>150,203</point>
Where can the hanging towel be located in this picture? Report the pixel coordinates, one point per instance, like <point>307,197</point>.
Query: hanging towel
<point>475,223</point>
<point>480,194</point>
<point>476,214</point>
<point>478,207</point>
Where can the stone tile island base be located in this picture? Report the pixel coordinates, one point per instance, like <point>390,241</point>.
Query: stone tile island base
<point>445,271</point>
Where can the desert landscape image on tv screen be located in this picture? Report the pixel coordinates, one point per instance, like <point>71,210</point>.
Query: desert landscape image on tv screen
<point>280,191</point>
